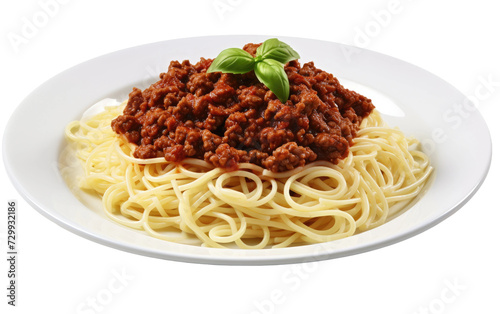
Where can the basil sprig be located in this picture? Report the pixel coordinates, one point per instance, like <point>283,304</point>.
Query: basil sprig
<point>268,65</point>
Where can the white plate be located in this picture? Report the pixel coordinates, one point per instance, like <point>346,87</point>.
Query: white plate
<point>421,104</point>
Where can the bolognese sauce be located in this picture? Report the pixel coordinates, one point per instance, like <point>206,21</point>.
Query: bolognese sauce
<point>227,119</point>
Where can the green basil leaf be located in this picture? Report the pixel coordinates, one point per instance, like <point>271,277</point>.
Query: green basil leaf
<point>232,60</point>
<point>276,50</point>
<point>272,74</point>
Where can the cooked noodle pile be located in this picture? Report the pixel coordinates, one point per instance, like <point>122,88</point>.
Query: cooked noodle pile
<point>251,207</point>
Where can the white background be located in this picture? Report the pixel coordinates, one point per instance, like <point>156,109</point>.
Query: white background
<point>451,268</point>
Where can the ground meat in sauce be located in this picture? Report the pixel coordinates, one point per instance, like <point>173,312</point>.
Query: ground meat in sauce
<point>227,119</point>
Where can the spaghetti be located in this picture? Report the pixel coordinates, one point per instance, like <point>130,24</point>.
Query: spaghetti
<point>251,207</point>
